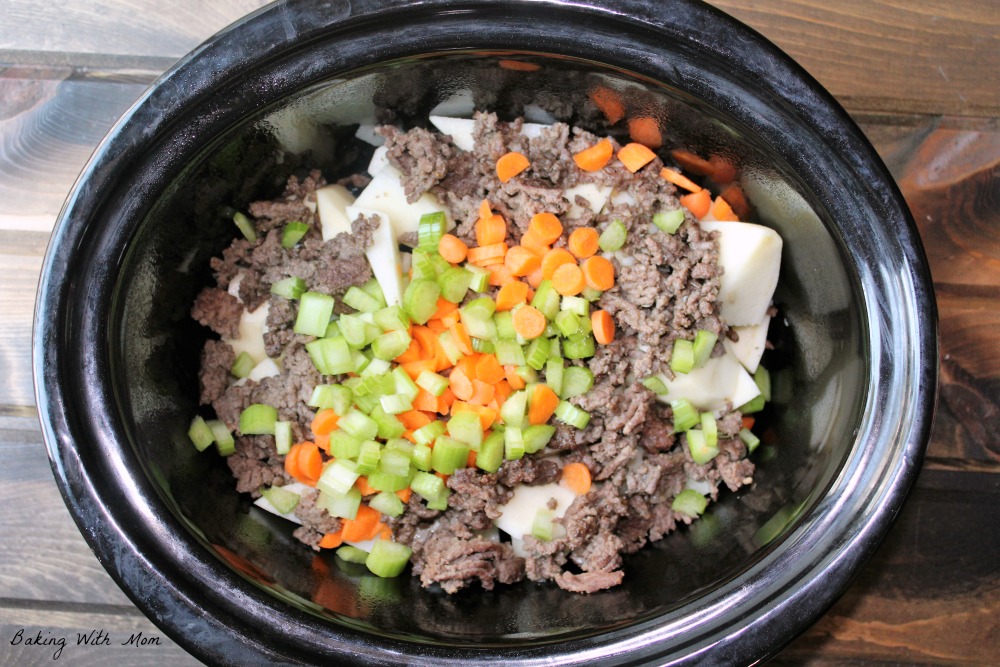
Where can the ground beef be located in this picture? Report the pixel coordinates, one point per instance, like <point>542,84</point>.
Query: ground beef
<point>454,563</point>
<point>528,470</point>
<point>256,464</point>
<point>316,521</point>
<point>476,496</point>
<point>218,310</point>
<point>217,358</point>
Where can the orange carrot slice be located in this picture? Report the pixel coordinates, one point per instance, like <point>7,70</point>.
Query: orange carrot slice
<point>584,242</point>
<point>635,156</point>
<point>510,165</point>
<point>599,273</point>
<point>576,477</point>
<point>595,157</point>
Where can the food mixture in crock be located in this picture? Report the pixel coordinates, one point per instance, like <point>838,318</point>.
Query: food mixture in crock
<point>507,351</point>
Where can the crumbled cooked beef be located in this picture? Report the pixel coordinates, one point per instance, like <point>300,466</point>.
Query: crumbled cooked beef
<point>454,563</point>
<point>256,464</point>
<point>219,310</point>
<point>476,496</point>
<point>588,582</point>
<point>217,359</point>
<point>528,470</point>
<point>316,521</point>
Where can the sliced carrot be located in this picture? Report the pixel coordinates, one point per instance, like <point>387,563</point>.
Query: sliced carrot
<point>512,294</point>
<point>385,532</point>
<point>482,393</point>
<point>484,209</point>
<point>310,463</point>
<point>490,230</point>
<point>723,211</point>
<point>692,163</point>
<point>542,404</point>
<point>698,203</point>
<point>488,254</point>
<point>404,494</point>
<point>568,280</point>
<point>425,400</point>
<point>436,325</point>
<point>503,389</point>
<point>529,322</point>
<point>609,102</point>
<point>595,157</point>
<point>413,419</point>
<point>427,340</point>
<point>447,399</point>
<point>584,242</point>
<point>518,65</point>
<point>324,422</point>
<point>535,279</point>
<point>603,325</point>
<point>534,244</point>
<point>576,476</point>
<point>513,379</point>
<point>413,353</point>
<point>521,261</point>
<point>415,368</point>
<point>486,415</point>
<point>646,131</point>
<point>364,487</point>
<point>679,179</point>
<point>723,172</point>
<point>733,194</point>
<point>363,526</point>
<point>488,369</point>
<point>461,337</point>
<point>292,461</point>
<point>467,365</point>
<point>510,165</point>
<point>500,275</point>
<point>635,156</point>
<point>452,248</point>
<point>545,228</point>
<point>323,442</point>
<point>332,540</point>
<point>470,460</point>
<point>460,384</point>
<point>748,422</point>
<point>599,273</point>
<point>554,259</point>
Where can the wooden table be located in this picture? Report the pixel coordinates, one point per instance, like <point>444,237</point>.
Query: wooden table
<point>921,77</point>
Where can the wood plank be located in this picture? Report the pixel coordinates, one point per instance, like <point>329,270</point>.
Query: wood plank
<point>931,56</point>
<point>18,282</point>
<point>76,635</point>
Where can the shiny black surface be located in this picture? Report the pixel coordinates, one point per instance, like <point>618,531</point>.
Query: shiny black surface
<point>115,369</point>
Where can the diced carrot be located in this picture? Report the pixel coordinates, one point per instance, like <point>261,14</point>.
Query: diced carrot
<point>427,340</point>
<point>413,353</point>
<point>486,415</point>
<point>584,242</point>
<point>545,228</point>
<point>748,421</point>
<point>534,244</point>
<point>452,248</point>
<point>488,254</point>
<point>488,369</point>
<point>292,461</point>
<point>323,442</point>
<point>324,422</point>
<point>363,526</point>
<point>309,463</point>
<point>404,494</point>
<point>484,209</point>
<point>554,259</point>
<point>408,433</point>
<point>510,165</point>
<point>568,280</point>
<point>470,460</point>
<point>364,487</point>
<point>413,419</point>
<point>733,194</point>
<point>503,389</point>
<point>332,540</point>
<point>698,203</point>
<point>599,273</point>
<point>425,400</point>
<point>461,337</point>
<point>723,172</point>
<point>521,261</point>
<point>542,404</point>
<point>529,322</point>
<point>442,476</point>
<point>603,325</point>
<point>467,365</point>
<point>500,275</point>
<point>513,379</point>
<point>646,131</point>
<point>385,532</point>
<point>460,384</point>
<point>692,163</point>
<point>576,476</point>
<point>518,65</point>
<point>490,230</point>
<point>723,211</point>
<point>535,279</point>
<point>609,102</point>
<point>512,294</point>
<point>415,368</point>
<point>635,156</point>
<point>679,179</point>
<point>482,393</point>
<point>595,157</point>
<point>436,325</point>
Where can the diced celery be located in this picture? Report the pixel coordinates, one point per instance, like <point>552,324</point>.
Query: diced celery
<point>387,503</point>
<point>554,371</point>
<point>591,294</point>
<point>432,382</point>
<point>331,356</point>
<point>749,439</point>
<point>258,419</point>
<point>315,310</point>
<point>490,454</point>
<point>389,425</point>
<point>466,427</point>
<point>480,281</point>
<point>376,367</point>
<point>338,478</point>
<point>293,233</point>
<point>336,396</point>
<point>245,226</point>
<point>352,554</point>
<point>698,445</point>
<point>576,380</point>
<point>391,318</point>
<point>655,384</point>
<point>343,445</point>
<point>567,323</point>
<point>374,290</point>
<point>449,454</point>
<point>513,443</point>
<point>704,341</point>
<point>225,444</point>
<point>710,428</point>
<point>541,527</point>
<point>368,457</point>
<point>430,229</point>
<point>391,344</point>
<point>576,305</point>
<point>387,558</point>
<point>243,365</point>
<point>512,412</point>
<point>579,346</point>
<point>527,373</point>
<point>570,414</point>
<point>482,345</point>
<point>669,221</point>
<point>450,347</point>
<point>454,283</point>
<point>504,321</point>
<point>423,266</point>
<point>428,433</point>
<point>613,237</point>
<point>404,384</point>
<point>477,316</point>
<point>283,500</point>
<point>360,300</point>
<point>755,404</point>
<point>546,299</point>
<point>420,299</point>
<point>536,437</point>
<point>763,380</point>
<point>421,457</point>
<point>689,502</point>
<point>685,415</point>
<point>282,436</point>
<point>537,353</point>
<point>200,433</point>
<point>343,505</point>
<point>682,357</point>
<point>509,353</point>
<point>428,486</point>
<point>359,425</point>
<point>289,288</point>
<point>357,330</point>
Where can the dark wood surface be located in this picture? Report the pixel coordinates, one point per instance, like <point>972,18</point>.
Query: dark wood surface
<point>922,78</point>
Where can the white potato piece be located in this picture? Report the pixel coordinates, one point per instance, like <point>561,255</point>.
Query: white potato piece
<point>386,194</point>
<point>383,255</point>
<point>532,130</point>
<point>367,134</point>
<point>265,369</point>
<point>459,105</point>
<point>751,258</point>
<point>331,203</point>
<point>721,380</point>
<point>459,129</point>
<point>597,195</point>
<point>622,197</point>
<point>251,338</point>
<point>379,161</point>
<point>517,516</point>
<point>750,346</point>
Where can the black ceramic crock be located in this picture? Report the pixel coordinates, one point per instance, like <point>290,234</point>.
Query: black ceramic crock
<point>115,353</point>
